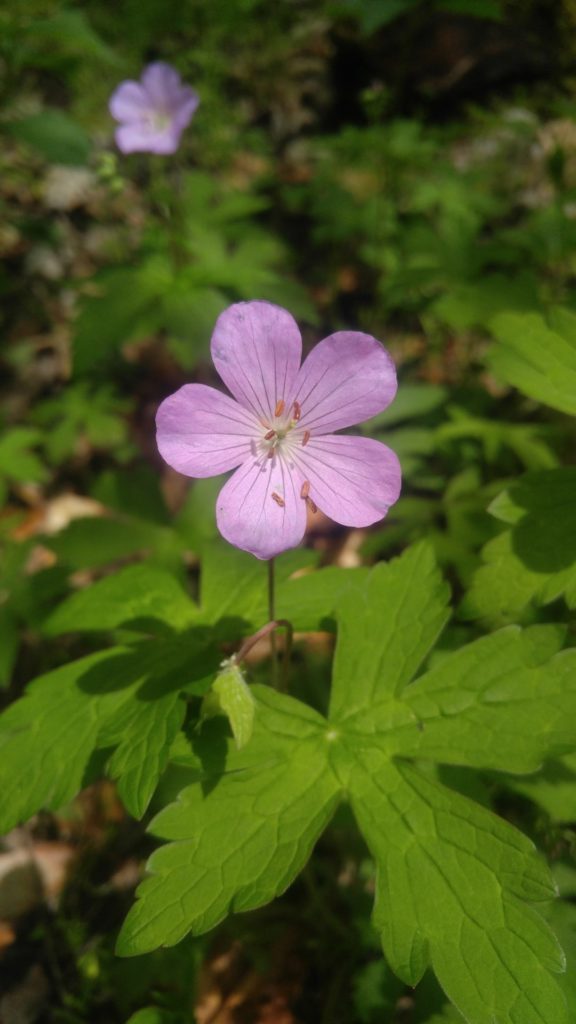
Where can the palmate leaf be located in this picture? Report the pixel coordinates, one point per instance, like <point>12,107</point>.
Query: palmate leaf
<point>237,844</point>
<point>386,627</point>
<point>450,885</point>
<point>124,697</point>
<point>454,881</point>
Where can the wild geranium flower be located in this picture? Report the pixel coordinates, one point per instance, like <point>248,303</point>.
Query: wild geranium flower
<point>153,112</point>
<point>278,430</point>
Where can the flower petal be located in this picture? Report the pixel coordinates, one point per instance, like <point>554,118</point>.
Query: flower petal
<point>354,480</point>
<point>134,138</point>
<point>347,378</point>
<point>186,108</point>
<point>128,102</point>
<point>250,518</point>
<point>201,432</point>
<point>163,84</point>
<point>256,348</point>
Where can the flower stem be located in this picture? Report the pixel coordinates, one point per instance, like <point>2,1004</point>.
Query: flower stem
<point>272,616</point>
<point>267,630</point>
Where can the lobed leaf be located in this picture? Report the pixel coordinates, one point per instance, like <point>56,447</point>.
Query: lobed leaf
<point>241,841</point>
<point>503,702</point>
<point>385,630</point>
<point>124,696</point>
<point>146,730</point>
<point>450,875</point>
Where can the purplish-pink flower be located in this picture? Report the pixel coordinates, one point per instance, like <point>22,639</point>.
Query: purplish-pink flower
<point>277,432</point>
<point>153,112</point>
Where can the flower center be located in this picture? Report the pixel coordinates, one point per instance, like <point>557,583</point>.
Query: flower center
<point>281,431</point>
<point>157,121</point>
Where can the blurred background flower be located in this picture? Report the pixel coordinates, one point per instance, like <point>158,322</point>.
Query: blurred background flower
<point>153,112</point>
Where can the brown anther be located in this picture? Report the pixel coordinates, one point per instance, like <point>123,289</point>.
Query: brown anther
<point>279,501</point>
<point>270,453</point>
<point>311,505</point>
<point>297,412</point>
<point>280,406</point>
<point>306,437</point>
<point>305,489</point>
<point>269,435</point>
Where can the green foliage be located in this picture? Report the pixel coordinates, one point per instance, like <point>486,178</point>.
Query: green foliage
<point>187,278</point>
<point>83,418</point>
<point>153,1015</point>
<point>375,14</point>
<point>538,356</point>
<point>317,174</point>
<point>230,696</point>
<point>535,559</point>
<point>451,876</point>
<point>55,135</point>
<point>18,461</point>
<point>137,597</point>
<point>126,697</point>
<point>248,837</point>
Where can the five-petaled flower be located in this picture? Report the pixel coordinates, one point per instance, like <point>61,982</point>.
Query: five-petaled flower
<point>153,112</point>
<point>278,429</point>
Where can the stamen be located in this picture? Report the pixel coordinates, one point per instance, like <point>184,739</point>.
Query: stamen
<point>269,435</point>
<point>270,453</point>
<point>305,489</point>
<point>279,501</point>
<point>297,412</point>
<point>311,505</point>
<point>306,437</point>
<point>280,406</point>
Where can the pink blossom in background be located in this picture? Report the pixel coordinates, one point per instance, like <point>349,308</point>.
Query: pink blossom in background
<point>277,430</point>
<point>153,112</point>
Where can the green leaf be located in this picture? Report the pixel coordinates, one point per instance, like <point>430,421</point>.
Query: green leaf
<point>91,542</point>
<point>386,629</point>
<point>453,879</point>
<point>128,304</point>
<point>448,1016</point>
<point>154,1015</point>
<point>561,916</point>
<point>450,886</point>
<point>411,402</point>
<point>538,357</point>
<point>9,643</point>
<point>234,589</point>
<point>70,32</point>
<point>534,561</point>
<point>55,135</point>
<point>374,14</point>
<point>505,702</point>
<point>553,789</point>
<point>137,597</point>
<point>124,695</point>
<point>231,697</point>
<point>46,739</point>
<point>135,494</point>
<point>17,461</point>
<point>146,730</point>
<point>240,842</point>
